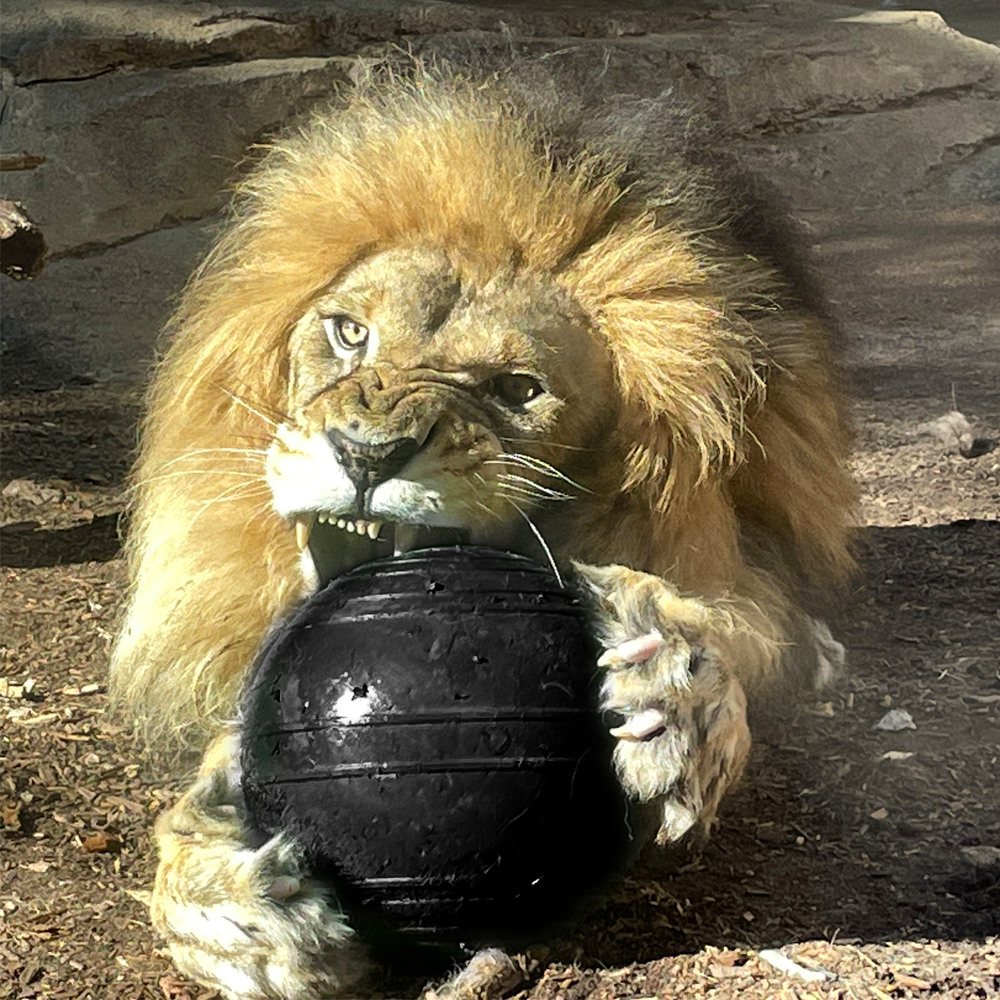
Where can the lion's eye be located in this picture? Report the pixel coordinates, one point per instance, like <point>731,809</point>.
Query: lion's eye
<point>344,333</point>
<point>513,389</point>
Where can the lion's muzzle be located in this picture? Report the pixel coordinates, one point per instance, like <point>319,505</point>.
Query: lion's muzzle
<point>368,465</point>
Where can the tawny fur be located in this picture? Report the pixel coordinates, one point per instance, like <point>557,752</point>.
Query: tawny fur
<point>705,449</point>
<point>713,502</point>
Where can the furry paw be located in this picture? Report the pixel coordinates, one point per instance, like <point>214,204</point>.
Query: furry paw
<point>830,655</point>
<point>683,739</point>
<point>246,921</point>
<point>489,975</point>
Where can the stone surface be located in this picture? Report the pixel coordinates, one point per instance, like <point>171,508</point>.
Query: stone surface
<point>976,18</point>
<point>861,63</point>
<point>97,317</point>
<point>123,120</point>
<point>868,160</point>
<point>775,67</point>
<point>977,176</point>
<point>129,153</point>
<point>62,39</point>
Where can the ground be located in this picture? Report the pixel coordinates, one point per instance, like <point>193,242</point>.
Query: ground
<point>870,854</point>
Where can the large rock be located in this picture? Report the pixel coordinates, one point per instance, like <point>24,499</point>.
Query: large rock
<point>890,158</point>
<point>168,140</point>
<point>852,63</point>
<point>128,119</point>
<point>128,153</point>
<point>63,39</point>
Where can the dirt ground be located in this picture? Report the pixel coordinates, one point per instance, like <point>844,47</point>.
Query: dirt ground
<point>869,857</point>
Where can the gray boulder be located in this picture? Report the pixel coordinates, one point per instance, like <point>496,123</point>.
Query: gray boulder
<point>125,126</point>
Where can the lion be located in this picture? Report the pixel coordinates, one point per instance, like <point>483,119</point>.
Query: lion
<point>442,312</point>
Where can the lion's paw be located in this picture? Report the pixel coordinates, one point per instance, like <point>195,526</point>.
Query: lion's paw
<point>489,975</point>
<point>247,921</point>
<point>683,736</point>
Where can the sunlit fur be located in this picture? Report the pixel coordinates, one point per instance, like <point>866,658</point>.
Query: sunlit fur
<point>725,473</point>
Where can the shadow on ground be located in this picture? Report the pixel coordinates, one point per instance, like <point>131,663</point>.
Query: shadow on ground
<point>841,830</point>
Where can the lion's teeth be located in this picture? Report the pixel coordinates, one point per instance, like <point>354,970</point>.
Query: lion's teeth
<point>405,538</point>
<point>356,527</point>
<point>303,528</point>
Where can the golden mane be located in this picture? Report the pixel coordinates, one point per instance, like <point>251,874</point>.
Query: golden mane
<point>692,325</point>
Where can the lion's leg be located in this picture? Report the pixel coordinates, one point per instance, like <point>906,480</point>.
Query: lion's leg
<point>247,921</point>
<point>676,670</point>
<point>489,975</point>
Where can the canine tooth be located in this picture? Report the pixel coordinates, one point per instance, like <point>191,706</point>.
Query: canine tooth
<point>303,526</point>
<point>405,538</point>
<point>374,527</point>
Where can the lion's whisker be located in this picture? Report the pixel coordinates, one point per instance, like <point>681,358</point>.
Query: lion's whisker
<point>538,536</point>
<point>261,509</point>
<point>240,491</point>
<point>181,473</point>
<point>538,465</point>
<point>506,490</point>
<point>250,393</point>
<point>489,510</point>
<point>244,452</point>
<point>508,478</point>
<point>548,444</point>
<point>536,498</point>
<point>262,441</point>
<point>253,409</point>
<point>545,469</point>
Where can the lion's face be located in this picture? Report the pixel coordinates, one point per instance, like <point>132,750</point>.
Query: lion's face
<point>430,400</point>
<point>422,320</point>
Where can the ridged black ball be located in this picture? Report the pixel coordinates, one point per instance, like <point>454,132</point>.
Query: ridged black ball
<point>426,726</point>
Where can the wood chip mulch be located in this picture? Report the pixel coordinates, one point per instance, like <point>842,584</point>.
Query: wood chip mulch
<point>853,863</point>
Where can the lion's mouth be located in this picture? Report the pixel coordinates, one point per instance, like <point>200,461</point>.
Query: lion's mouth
<point>337,544</point>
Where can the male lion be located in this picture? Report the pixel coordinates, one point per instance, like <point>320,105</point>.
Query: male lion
<point>438,313</point>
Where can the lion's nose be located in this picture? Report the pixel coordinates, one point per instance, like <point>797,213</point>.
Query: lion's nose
<point>371,464</point>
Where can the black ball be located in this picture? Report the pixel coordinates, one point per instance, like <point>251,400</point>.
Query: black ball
<point>426,727</point>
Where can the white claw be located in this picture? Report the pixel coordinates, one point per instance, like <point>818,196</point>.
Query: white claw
<point>283,887</point>
<point>640,726</point>
<point>633,650</point>
<point>677,820</point>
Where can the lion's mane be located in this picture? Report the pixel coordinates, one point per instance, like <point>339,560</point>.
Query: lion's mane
<point>730,434</point>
